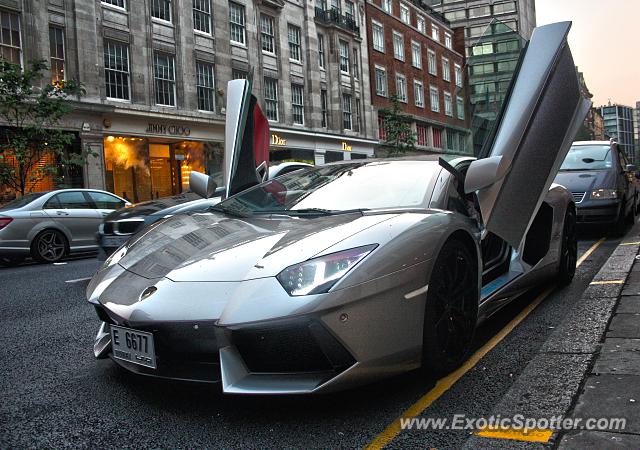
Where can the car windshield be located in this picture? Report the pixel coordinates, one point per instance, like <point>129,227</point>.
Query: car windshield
<point>22,201</point>
<point>588,157</point>
<point>333,189</point>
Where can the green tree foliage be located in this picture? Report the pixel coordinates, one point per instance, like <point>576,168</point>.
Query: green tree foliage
<point>31,112</point>
<point>400,137</point>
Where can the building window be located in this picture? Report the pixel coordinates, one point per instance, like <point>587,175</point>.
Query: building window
<point>56,53</point>
<point>205,86</point>
<point>500,8</point>
<point>116,70</point>
<point>435,32</point>
<point>236,21</point>
<point>202,16</point>
<point>377,30</point>
<point>349,10</point>
<point>237,74</point>
<point>356,64</point>
<point>381,81</point>
<point>297,103</point>
<point>420,23</point>
<point>401,88</point>
<point>418,93</point>
<point>267,35</point>
<point>460,107</point>
<point>458,74</point>
<point>116,3</point>
<point>358,115</point>
<point>161,9</point>
<point>446,69</point>
<point>421,135</point>
<point>458,14</point>
<point>382,128</point>
<point>507,66</point>
<point>294,42</point>
<point>398,46</point>
<point>437,138</point>
<point>405,14</point>
<point>344,56</point>
<point>346,112</point>
<point>433,65</point>
<point>10,43</point>
<point>507,46</point>
<point>386,6</point>
<point>434,96</point>
<point>479,11</point>
<point>448,40</point>
<point>482,49</point>
<point>448,107</point>
<point>165,79</point>
<point>321,51</point>
<point>323,107</point>
<point>271,98</point>
<point>416,54</point>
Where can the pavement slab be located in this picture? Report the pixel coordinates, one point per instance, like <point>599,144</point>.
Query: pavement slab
<point>629,305</point>
<point>624,326</point>
<point>599,440</point>
<point>611,396</point>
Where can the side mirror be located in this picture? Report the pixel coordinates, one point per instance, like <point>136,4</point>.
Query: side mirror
<point>202,184</point>
<point>631,168</point>
<point>483,173</point>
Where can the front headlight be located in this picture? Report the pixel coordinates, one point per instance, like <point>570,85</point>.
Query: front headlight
<point>318,275</point>
<point>604,194</point>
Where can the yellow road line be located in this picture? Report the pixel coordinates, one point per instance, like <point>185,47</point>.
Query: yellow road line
<point>535,435</point>
<point>608,282</point>
<point>445,383</point>
<point>630,243</point>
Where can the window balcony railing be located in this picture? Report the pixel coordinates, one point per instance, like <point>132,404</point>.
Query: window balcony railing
<point>333,17</point>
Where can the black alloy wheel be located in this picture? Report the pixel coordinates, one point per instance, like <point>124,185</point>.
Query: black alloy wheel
<point>49,246</point>
<point>569,249</point>
<point>451,309</point>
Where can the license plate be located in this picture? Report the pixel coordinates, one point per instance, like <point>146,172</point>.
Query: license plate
<point>113,241</point>
<point>133,346</point>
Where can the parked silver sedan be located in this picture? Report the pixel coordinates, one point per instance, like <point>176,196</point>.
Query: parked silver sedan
<point>50,225</point>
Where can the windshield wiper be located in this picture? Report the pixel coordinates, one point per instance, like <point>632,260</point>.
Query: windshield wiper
<point>314,211</point>
<point>226,210</point>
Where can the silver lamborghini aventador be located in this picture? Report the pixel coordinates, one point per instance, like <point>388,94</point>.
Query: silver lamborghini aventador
<point>338,275</point>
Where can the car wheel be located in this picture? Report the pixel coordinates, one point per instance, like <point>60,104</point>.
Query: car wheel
<point>568,250</point>
<point>10,261</point>
<point>451,309</point>
<point>49,246</point>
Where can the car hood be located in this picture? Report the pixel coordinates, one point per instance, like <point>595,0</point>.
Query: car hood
<point>211,246</point>
<point>585,181</point>
<point>166,205</point>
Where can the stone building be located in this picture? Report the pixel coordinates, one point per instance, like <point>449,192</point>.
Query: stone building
<point>155,73</point>
<point>416,56</point>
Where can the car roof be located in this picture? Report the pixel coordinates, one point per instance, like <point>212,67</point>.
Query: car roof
<point>578,143</point>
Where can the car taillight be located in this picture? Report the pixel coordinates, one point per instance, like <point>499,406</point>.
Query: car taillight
<point>4,221</point>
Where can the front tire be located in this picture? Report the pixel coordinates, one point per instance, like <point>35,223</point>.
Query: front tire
<point>568,250</point>
<point>49,246</point>
<point>451,310</point>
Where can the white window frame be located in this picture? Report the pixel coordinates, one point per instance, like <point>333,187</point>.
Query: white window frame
<point>55,59</point>
<point>446,69</point>
<point>405,13</point>
<point>387,6</point>
<point>295,105</point>
<point>458,74</point>
<point>344,61</point>
<point>432,62</point>
<point>434,98</point>
<point>435,32</point>
<point>293,45</point>
<point>207,88</point>
<point>383,90</point>
<point>378,46</point>
<point>418,93</point>
<point>271,100</point>
<point>124,73</point>
<point>396,53</point>
<point>401,81</point>
<point>448,40</point>
<point>238,24</point>
<point>108,4</point>
<point>347,114</point>
<point>416,54</point>
<point>321,52</point>
<point>459,110</point>
<point>208,15</point>
<point>170,3</point>
<point>268,33</point>
<point>421,23</point>
<point>448,104</point>
<point>170,79</point>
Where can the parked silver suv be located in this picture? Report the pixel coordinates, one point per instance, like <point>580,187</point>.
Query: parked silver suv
<point>50,225</point>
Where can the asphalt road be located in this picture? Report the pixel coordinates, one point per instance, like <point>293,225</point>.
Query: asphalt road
<point>54,394</point>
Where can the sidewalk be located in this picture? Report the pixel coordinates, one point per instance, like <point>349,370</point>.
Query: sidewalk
<point>612,387</point>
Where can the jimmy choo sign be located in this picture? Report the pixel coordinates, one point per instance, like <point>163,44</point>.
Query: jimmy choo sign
<point>172,130</point>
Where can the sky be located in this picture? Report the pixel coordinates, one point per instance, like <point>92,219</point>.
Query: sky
<point>605,42</point>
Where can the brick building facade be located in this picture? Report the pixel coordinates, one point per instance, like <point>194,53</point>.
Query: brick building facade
<point>416,56</point>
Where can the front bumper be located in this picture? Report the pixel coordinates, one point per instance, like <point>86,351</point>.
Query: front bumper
<point>598,211</point>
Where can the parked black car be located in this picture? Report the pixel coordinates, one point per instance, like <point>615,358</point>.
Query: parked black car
<point>603,183</point>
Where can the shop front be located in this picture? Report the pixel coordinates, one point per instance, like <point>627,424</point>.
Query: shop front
<point>149,160</point>
<point>316,148</point>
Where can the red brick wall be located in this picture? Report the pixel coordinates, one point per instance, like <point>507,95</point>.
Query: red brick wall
<point>393,65</point>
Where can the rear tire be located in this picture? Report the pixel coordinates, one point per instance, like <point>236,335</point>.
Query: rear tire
<point>568,250</point>
<point>49,246</point>
<point>451,309</point>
